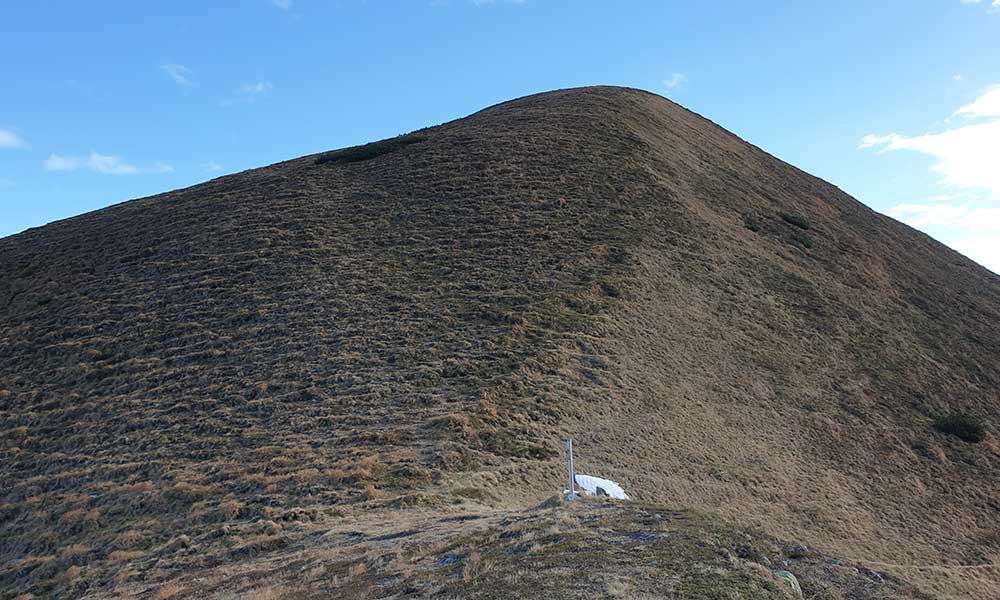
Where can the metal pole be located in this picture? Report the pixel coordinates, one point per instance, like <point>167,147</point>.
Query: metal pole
<point>569,468</point>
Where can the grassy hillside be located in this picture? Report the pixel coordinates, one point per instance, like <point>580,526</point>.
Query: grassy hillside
<point>418,322</point>
<point>587,549</point>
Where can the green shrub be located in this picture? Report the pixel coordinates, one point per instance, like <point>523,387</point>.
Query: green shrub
<point>370,150</point>
<point>968,428</point>
<point>796,219</point>
<point>803,240</point>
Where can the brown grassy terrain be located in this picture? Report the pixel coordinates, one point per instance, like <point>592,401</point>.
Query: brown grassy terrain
<point>586,549</point>
<point>418,324</point>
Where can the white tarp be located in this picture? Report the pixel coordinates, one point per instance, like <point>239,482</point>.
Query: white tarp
<point>589,485</point>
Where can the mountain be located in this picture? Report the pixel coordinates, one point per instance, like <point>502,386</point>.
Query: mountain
<point>214,377</point>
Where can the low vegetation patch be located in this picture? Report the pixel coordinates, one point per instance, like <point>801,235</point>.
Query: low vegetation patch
<point>966,427</point>
<point>796,219</point>
<point>803,240</point>
<point>370,150</point>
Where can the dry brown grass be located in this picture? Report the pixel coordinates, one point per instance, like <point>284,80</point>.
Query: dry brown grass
<point>266,593</point>
<point>79,516</point>
<point>230,509</point>
<point>575,263</point>
<point>168,591</point>
<point>371,493</point>
<point>73,550</point>
<point>473,566</point>
<point>118,557</point>
<point>356,570</point>
<point>129,539</point>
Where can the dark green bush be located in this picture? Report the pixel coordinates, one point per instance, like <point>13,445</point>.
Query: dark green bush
<point>803,240</point>
<point>966,427</point>
<point>796,219</point>
<point>369,151</point>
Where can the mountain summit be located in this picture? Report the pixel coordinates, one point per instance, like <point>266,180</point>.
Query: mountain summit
<point>411,327</point>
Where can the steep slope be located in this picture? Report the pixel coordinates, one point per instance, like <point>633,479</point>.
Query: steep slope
<point>414,323</point>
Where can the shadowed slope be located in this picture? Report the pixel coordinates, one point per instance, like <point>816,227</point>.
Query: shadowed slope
<point>716,328</point>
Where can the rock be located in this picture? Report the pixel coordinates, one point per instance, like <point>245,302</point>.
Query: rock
<point>269,528</point>
<point>873,575</point>
<point>791,581</point>
<point>747,552</point>
<point>552,502</point>
<point>178,543</point>
<point>744,551</point>
<point>796,550</point>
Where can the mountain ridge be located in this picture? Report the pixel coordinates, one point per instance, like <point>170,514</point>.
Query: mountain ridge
<point>715,328</point>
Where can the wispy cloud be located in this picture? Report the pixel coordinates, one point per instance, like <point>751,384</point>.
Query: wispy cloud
<point>179,73</point>
<point>488,2</point>
<point>994,4</point>
<point>282,4</point>
<point>970,229</point>
<point>967,218</point>
<point>256,89</point>
<point>987,105</point>
<point>249,92</point>
<point>966,155</point>
<point>676,80</point>
<point>101,163</point>
<point>212,166</point>
<point>955,216</point>
<point>9,139</point>
<point>985,250</point>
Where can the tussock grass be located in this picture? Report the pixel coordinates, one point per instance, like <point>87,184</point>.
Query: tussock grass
<point>796,219</point>
<point>964,426</point>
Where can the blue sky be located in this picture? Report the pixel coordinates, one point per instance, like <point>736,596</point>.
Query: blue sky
<point>893,101</point>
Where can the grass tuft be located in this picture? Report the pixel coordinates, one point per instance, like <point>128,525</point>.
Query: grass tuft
<point>966,427</point>
<point>796,219</point>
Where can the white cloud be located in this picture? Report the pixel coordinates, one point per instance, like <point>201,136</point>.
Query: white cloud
<point>256,89</point>
<point>956,77</point>
<point>958,216</point>
<point>675,80</point>
<point>985,250</point>
<point>282,4</point>
<point>966,156</point>
<point>488,2</point>
<point>248,93</point>
<point>9,139</point>
<point>101,163</point>
<point>994,4</point>
<point>977,227</point>
<point>212,166</point>
<point>179,73</point>
<point>109,165</point>
<point>987,105</point>
<point>61,163</point>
